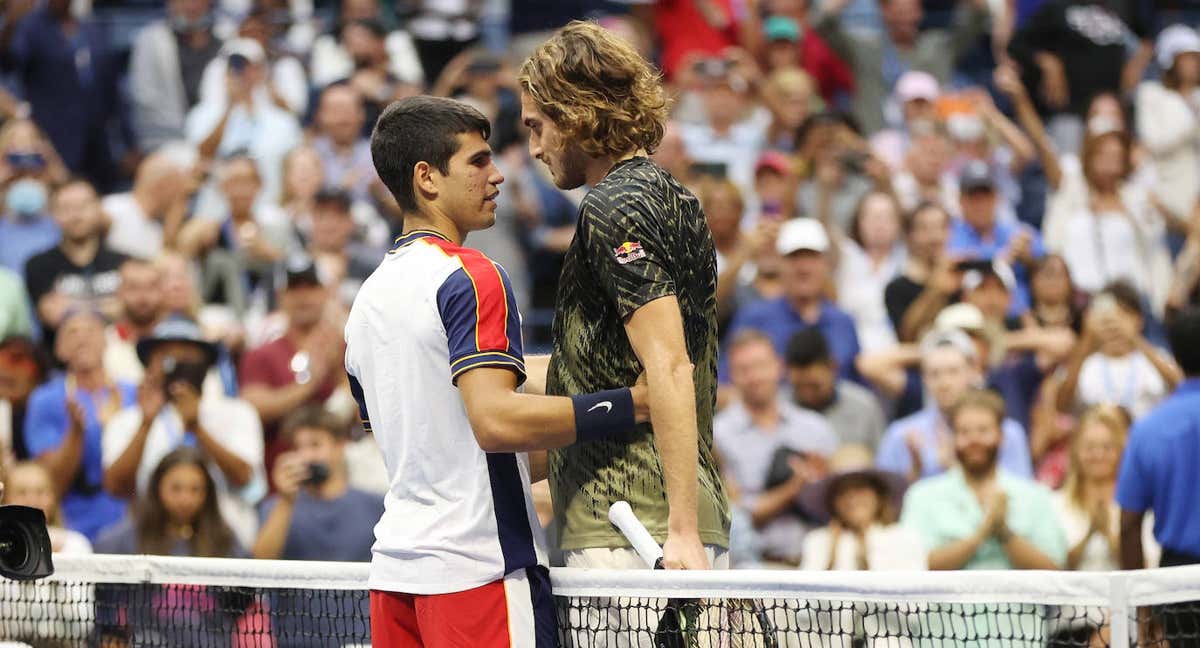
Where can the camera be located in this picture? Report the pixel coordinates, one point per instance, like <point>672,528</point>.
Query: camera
<point>24,543</point>
<point>238,63</point>
<point>317,474</point>
<point>192,373</point>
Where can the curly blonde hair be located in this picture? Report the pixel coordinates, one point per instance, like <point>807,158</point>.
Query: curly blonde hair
<point>597,90</point>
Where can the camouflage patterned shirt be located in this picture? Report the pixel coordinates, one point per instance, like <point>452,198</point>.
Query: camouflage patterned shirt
<point>640,236</point>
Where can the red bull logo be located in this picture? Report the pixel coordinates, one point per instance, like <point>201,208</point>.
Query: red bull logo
<point>629,251</point>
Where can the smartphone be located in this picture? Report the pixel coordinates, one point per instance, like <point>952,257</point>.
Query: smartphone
<point>238,63</point>
<point>981,265</point>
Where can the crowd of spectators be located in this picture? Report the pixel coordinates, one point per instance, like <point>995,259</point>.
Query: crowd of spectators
<point>951,240</point>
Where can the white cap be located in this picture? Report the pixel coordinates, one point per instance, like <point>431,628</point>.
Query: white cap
<point>960,317</point>
<point>247,47</point>
<point>1173,41</point>
<point>801,234</point>
<point>915,85</point>
<point>972,279</point>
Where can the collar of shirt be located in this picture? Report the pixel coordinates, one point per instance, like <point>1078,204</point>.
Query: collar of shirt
<point>822,314</point>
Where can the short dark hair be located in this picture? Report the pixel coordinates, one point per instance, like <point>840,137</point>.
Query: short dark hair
<point>1126,296</point>
<point>333,197</point>
<point>1183,334</point>
<point>313,417</point>
<point>419,129</point>
<point>807,348</point>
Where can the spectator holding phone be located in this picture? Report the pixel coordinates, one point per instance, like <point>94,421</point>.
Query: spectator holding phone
<point>981,234</point>
<point>316,514</point>
<point>928,281</point>
<point>174,410</point>
<point>1113,363</point>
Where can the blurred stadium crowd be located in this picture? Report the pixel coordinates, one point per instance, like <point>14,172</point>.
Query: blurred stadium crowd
<point>911,200</point>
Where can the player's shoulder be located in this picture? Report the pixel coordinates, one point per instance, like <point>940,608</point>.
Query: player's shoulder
<point>635,184</point>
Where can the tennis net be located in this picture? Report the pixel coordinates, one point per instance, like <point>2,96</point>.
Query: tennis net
<point>111,601</point>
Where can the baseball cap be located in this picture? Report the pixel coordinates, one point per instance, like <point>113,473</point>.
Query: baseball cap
<point>960,317</point>
<point>801,234</point>
<point>976,175</point>
<point>972,279</point>
<point>915,85</point>
<point>778,28</point>
<point>1173,41</point>
<point>247,48</point>
<point>775,161</point>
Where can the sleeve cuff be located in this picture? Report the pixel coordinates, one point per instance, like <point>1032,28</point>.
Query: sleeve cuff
<point>628,304</point>
<point>499,359</point>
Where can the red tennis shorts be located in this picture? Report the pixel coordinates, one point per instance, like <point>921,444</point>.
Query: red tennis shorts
<point>515,612</point>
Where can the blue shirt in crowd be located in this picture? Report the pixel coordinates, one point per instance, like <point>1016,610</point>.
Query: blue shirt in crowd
<point>25,236</point>
<point>1158,470</point>
<point>779,321</point>
<point>338,529</point>
<point>965,241</point>
<point>342,528</point>
<point>86,507</point>
<point>931,428</point>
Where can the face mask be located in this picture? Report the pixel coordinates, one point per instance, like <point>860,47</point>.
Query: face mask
<point>185,25</point>
<point>26,197</point>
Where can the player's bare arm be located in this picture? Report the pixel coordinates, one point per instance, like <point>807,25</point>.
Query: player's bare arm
<point>505,420</point>
<point>536,367</point>
<point>656,334</point>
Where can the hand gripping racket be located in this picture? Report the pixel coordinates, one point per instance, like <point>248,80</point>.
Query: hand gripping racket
<point>729,623</point>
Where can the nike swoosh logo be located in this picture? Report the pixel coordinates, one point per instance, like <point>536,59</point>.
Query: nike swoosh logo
<point>607,405</point>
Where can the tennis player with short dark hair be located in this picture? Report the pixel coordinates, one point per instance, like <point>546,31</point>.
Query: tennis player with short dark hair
<point>433,350</point>
<point>638,290</point>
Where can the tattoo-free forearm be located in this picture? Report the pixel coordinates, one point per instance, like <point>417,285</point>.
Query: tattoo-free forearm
<point>673,414</point>
<point>63,462</point>
<point>273,535</point>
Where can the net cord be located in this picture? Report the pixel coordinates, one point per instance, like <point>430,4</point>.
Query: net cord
<point>1115,590</point>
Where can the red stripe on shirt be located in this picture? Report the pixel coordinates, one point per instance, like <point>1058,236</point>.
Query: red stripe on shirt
<point>491,298</point>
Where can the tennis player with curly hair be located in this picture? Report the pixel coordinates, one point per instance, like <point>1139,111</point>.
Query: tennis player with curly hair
<point>637,292</point>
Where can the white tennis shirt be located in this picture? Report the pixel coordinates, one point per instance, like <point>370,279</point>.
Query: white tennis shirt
<point>454,516</point>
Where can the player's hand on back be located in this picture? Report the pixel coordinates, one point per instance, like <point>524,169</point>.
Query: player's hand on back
<point>641,399</point>
<point>290,471</point>
<point>684,551</point>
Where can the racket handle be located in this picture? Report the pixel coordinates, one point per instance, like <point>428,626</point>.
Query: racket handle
<point>622,517</point>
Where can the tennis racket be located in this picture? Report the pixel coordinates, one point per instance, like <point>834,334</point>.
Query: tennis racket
<point>694,623</point>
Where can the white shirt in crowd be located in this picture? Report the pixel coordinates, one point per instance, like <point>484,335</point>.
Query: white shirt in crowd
<point>266,132</point>
<point>1098,555</point>
<point>287,76</point>
<point>889,548</point>
<point>1169,128</point>
<point>1100,248</point>
<point>132,232</point>
<point>232,422</point>
<point>1130,381</point>
<point>860,293</point>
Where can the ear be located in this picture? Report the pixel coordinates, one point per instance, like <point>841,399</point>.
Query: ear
<point>423,180</point>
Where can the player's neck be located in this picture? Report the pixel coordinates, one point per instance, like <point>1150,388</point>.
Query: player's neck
<point>598,167</point>
<point>434,222</point>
